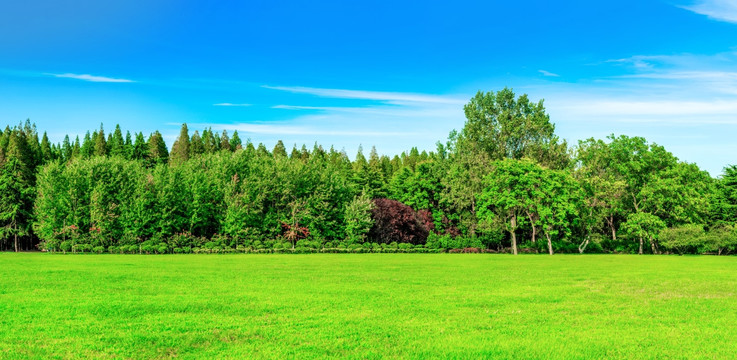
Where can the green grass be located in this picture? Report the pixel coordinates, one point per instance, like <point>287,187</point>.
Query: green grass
<point>367,306</point>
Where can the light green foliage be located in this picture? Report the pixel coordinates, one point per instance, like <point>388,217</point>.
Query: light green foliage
<point>358,220</point>
<point>180,150</point>
<point>506,196</point>
<point>721,239</point>
<point>558,205</point>
<point>682,239</point>
<point>642,226</point>
<point>508,127</point>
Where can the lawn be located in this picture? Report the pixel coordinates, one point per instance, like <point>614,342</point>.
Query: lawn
<point>367,306</point>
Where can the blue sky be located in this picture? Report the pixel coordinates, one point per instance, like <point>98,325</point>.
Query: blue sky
<point>393,75</point>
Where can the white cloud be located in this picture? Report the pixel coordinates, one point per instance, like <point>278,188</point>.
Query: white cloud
<point>389,97</point>
<point>230,104</point>
<point>548,73</point>
<point>722,10</point>
<point>270,129</point>
<point>92,78</point>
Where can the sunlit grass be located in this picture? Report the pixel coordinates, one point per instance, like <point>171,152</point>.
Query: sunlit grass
<point>367,306</point>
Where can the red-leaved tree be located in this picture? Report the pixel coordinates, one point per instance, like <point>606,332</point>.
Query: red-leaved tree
<point>394,221</point>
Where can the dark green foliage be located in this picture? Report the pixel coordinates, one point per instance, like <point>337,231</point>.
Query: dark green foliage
<point>505,176</point>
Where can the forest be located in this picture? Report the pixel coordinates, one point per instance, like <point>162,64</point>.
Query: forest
<point>505,182</point>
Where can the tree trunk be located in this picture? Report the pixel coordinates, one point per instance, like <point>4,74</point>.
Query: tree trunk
<point>534,230</point>
<point>652,246</point>
<point>513,222</point>
<point>641,243</point>
<point>582,247</point>
<point>550,244</point>
<point>610,221</point>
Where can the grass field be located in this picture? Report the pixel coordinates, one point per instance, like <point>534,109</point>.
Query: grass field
<point>367,306</point>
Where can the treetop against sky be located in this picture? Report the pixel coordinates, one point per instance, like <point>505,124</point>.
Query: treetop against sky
<point>379,73</point>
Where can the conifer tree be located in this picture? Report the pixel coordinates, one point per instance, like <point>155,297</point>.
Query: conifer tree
<point>100,143</point>
<point>158,153</point>
<point>66,149</point>
<point>87,147</point>
<point>46,152</point>
<point>181,148</point>
<point>196,147</point>
<point>117,143</point>
<point>280,151</point>
<point>225,141</point>
<point>140,148</point>
<point>235,141</point>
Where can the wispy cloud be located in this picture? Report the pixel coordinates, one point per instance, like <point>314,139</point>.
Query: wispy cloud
<point>270,129</point>
<point>548,73</point>
<point>91,78</point>
<point>230,104</point>
<point>722,10</point>
<point>389,97</point>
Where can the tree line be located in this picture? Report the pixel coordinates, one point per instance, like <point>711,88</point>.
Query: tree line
<point>503,183</point>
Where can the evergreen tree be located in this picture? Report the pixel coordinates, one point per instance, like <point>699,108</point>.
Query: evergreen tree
<point>235,142</point>
<point>88,147</point>
<point>280,152</point>
<point>46,152</point>
<point>157,151</point>
<point>181,148</point>
<point>140,148</point>
<point>196,147</point>
<point>100,143</point>
<point>117,143</point>
<point>225,142</point>
<point>66,149</point>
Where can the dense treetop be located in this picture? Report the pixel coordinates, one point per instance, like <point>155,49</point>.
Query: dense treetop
<point>505,182</point>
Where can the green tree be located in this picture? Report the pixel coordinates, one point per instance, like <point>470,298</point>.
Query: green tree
<point>641,225</point>
<point>508,127</point>
<point>558,205</point>
<point>157,151</point>
<point>181,149</point>
<point>358,220</point>
<point>505,198</point>
<point>100,143</point>
<point>196,147</point>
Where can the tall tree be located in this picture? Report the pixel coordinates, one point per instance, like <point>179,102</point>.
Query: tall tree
<point>180,150</point>
<point>100,143</point>
<point>505,126</point>
<point>157,151</point>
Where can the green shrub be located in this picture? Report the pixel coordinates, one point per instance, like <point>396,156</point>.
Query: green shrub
<point>65,246</point>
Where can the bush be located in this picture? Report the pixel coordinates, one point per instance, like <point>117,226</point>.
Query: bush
<point>99,249</point>
<point>682,239</point>
<point>65,246</point>
<point>396,222</point>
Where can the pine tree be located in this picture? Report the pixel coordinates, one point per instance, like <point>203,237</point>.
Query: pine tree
<point>225,141</point>
<point>117,143</point>
<point>140,148</point>
<point>196,147</point>
<point>77,149</point>
<point>87,147</point>
<point>66,149</point>
<point>100,143</point>
<point>280,151</point>
<point>235,141</point>
<point>46,152</point>
<point>16,188</point>
<point>157,149</point>
<point>181,148</point>
<point>128,145</point>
